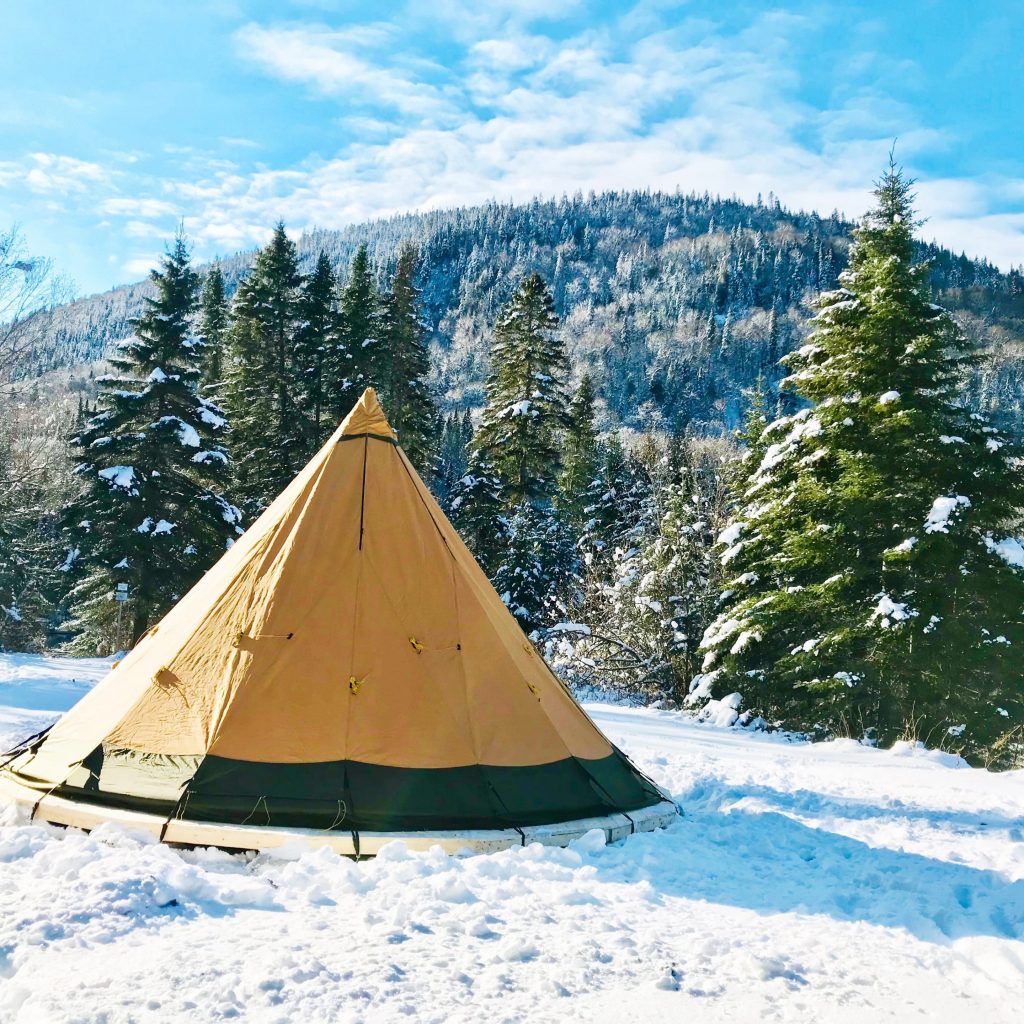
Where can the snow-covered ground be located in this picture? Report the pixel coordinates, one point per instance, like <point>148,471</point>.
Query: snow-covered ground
<point>804,883</point>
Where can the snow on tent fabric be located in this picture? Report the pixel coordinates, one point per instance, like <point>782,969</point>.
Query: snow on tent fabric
<point>346,668</point>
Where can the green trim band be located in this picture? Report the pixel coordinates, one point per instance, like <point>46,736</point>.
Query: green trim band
<point>347,795</point>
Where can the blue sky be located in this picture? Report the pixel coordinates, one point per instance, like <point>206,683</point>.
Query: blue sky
<point>119,120</point>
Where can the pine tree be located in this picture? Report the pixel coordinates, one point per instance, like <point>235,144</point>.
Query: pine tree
<point>316,349</point>
<point>404,363</point>
<point>537,568</point>
<point>527,411</point>
<point>269,437</point>
<point>29,533</point>
<point>615,503</point>
<point>452,459</point>
<point>664,593</point>
<point>479,505</point>
<point>214,321</point>
<point>151,464</point>
<point>871,584</point>
<point>751,435</point>
<point>26,566</point>
<point>581,455</point>
<point>361,330</point>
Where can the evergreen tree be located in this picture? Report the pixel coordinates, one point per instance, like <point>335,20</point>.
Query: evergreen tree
<point>537,570</point>
<point>361,329</point>
<point>264,381</point>
<point>404,362</point>
<point>214,321</point>
<point>751,435</point>
<point>664,592</point>
<point>452,458</point>
<point>527,411</point>
<point>26,567</point>
<point>29,534</point>
<point>479,506</point>
<point>151,464</point>
<point>581,455</point>
<point>872,586</point>
<point>615,502</point>
<point>316,344</point>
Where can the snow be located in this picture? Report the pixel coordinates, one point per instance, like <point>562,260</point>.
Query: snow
<point>211,417</point>
<point>119,476</point>
<point>210,456</point>
<point>828,882</point>
<point>730,534</point>
<point>887,612</point>
<point>905,546</point>
<point>187,434</point>
<point>1010,550</point>
<point>888,398</point>
<point>804,426</point>
<point>148,526</point>
<point>942,508</point>
<point>730,553</point>
<point>744,640</point>
<point>522,408</point>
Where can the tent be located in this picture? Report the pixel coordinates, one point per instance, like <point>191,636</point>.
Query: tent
<point>345,673</point>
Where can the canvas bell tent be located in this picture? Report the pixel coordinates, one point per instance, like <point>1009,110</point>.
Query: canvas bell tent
<point>346,673</point>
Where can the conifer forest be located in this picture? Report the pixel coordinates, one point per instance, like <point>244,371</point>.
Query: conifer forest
<point>723,457</point>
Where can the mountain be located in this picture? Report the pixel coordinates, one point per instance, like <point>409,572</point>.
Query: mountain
<point>676,303</point>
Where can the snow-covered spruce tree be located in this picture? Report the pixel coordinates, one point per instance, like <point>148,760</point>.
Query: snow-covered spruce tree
<point>520,433</point>
<point>614,505</point>
<point>751,435</point>
<point>451,463</point>
<point>580,459</point>
<point>214,321</point>
<point>316,344</point>
<point>361,328</point>
<point>269,430</point>
<point>152,464</point>
<point>32,487</point>
<point>479,511</point>
<point>536,573</point>
<point>664,591</point>
<point>871,585</point>
<point>404,363</point>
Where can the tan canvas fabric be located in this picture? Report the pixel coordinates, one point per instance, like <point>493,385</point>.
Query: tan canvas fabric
<point>400,651</point>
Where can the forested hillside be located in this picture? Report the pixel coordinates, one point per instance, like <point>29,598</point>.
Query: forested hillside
<point>568,378</point>
<point>675,303</point>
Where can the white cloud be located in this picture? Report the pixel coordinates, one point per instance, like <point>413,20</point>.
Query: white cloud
<point>140,266</point>
<point>670,108</point>
<point>55,172</point>
<point>321,58</point>
<point>138,207</point>
<point>657,99</point>
<point>142,229</point>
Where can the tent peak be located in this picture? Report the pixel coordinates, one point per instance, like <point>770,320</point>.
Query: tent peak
<point>366,417</point>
